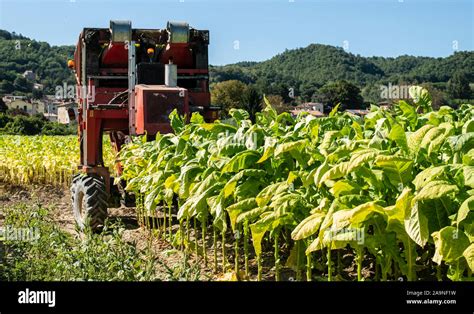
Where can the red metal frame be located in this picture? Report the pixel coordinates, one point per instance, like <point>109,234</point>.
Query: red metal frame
<point>100,113</point>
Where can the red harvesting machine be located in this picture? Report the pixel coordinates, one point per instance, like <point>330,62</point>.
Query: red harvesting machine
<point>129,81</point>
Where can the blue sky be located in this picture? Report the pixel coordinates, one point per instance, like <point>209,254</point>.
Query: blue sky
<point>261,29</point>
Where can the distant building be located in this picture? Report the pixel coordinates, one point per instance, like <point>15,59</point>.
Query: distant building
<point>385,105</point>
<point>358,112</point>
<point>51,104</point>
<point>51,117</point>
<point>311,106</point>
<point>29,75</point>
<point>9,98</point>
<point>67,113</point>
<point>38,86</point>
<point>30,108</point>
<point>316,113</point>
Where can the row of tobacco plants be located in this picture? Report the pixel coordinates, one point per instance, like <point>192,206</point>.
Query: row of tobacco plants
<point>395,188</point>
<point>42,159</point>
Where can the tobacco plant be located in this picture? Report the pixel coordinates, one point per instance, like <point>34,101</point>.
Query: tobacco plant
<point>386,187</point>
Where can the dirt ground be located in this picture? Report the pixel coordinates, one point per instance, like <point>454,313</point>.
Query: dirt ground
<point>169,260</point>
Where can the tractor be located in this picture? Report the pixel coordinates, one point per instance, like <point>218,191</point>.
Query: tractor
<point>128,81</point>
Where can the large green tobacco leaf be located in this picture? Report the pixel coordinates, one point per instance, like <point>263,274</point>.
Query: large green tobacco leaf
<point>230,186</point>
<point>398,135</point>
<point>428,175</point>
<point>290,146</point>
<point>344,187</point>
<point>218,127</point>
<point>468,126</point>
<point>396,214</point>
<point>338,239</point>
<point>198,202</point>
<point>177,123</point>
<point>259,229</point>
<point>438,212</point>
<point>414,139</point>
<point>466,207</point>
<point>468,159</point>
<point>251,214</point>
<point>248,188</point>
<point>437,142</point>
<point>358,159</point>
<point>450,244</point>
<point>243,160</point>
<point>435,189</point>
<point>416,225</point>
<point>462,142</point>
<point>421,97</point>
<point>264,197</point>
<point>468,172</point>
<point>337,171</point>
<point>355,216</point>
<point>220,219</point>
<point>308,226</point>
<point>397,169</point>
<point>342,151</point>
<point>268,152</point>
<point>150,203</point>
<point>186,177</point>
<point>469,256</point>
<point>317,243</point>
<point>235,209</point>
<point>409,112</point>
<point>239,114</point>
<point>432,136</point>
<point>319,172</point>
<point>328,140</point>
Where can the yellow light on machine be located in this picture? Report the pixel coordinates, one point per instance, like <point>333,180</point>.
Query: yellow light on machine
<point>70,64</point>
<point>150,52</point>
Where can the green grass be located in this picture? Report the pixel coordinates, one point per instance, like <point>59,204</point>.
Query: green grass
<point>60,256</point>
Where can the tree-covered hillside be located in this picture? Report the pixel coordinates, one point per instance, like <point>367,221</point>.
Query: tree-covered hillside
<point>308,69</point>
<point>19,54</point>
<point>300,73</point>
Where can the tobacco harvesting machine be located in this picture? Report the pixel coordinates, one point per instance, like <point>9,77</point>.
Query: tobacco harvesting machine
<point>128,82</point>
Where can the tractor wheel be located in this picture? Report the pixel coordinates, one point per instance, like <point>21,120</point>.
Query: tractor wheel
<point>89,201</point>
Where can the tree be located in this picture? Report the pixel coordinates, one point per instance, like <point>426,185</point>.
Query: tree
<point>438,98</point>
<point>277,103</point>
<point>21,84</point>
<point>252,101</point>
<point>458,86</point>
<point>3,106</point>
<point>228,94</point>
<point>6,87</point>
<point>308,89</point>
<point>372,93</point>
<point>340,92</point>
<point>37,93</point>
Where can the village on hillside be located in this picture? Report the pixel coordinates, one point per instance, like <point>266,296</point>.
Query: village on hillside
<point>54,109</point>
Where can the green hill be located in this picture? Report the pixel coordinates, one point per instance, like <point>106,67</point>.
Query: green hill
<point>304,70</point>
<point>307,69</point>
<point>19,54</point>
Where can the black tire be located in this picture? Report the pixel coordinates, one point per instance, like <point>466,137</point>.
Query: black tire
<point>89,201</point>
